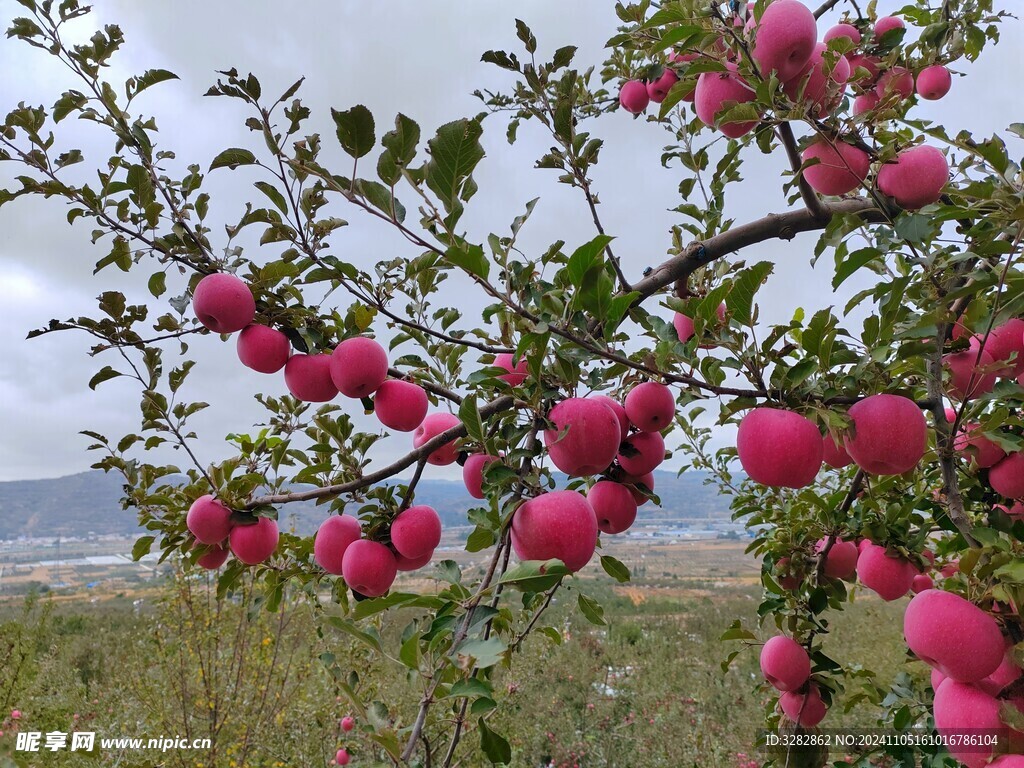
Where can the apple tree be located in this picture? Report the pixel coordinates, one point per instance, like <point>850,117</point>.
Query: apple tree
<point>878,445</point>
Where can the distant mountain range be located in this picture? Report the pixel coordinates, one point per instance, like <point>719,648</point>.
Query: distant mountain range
<point>87,503</point>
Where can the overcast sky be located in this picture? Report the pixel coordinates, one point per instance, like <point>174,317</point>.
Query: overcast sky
<point>422,59</point>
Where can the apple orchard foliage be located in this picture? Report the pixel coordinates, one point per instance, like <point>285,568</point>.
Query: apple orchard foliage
<point>927,212</point>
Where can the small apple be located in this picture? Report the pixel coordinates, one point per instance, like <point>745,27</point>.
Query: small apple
<point>785,663</point>
<point>223,303</point>
<point>915,178</point>
<point>714,90</point>
<point>658,89</point>
<point>933,82</point>
<point>359,366</point>
<point>209,520</point>
<point>887,24</point>
<point>432,426</point>
<point>848,31</point>
<point>785,577</point>
<point>685,328</point>
<point>400,405</point>
<point>976,448</point>
<point>834,453</point>
<point>585,437</point>
<point>840,169</point>
<point>517,372</point>
<point>416,531</point>
<point>890,576</point>
<point>557,524</point>
<point>1005,344</point>
<point>890,434</point>
<point>841,560</point>
<point>633,96</point>
<point>614,506</point>
<point>895,84</point>
<point>642,453</point>
<point>348,723</point>
<point>618,410</point>
<point>308,378</point>
<point>342,757</point>
<point>412,564</point>
<point>1007,477</point>
<point>263,349</point>
<point>779,448</point>
<point>252,544</point>
<point>813,85</point>
<point>864,70</point>
<point>808,709</point>
<point>650,406</point>
<point>333,537</point>
<point>473,473</point>
<point>634,483</point>
<point>921,582</point>
<point>1006,673</point>
<point>971,371</point>
<point>369,568</point>
<point>214,558</point>
<point>866,102</point>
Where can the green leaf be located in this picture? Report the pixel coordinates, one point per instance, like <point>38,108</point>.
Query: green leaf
<point>150,78</point>
<point>469,415</point>
<point>737,632</point>
<point>355,130</point>
<point>584,258</point>
<point>494,745</point>
<point>274,194</point>
<point>158,284</point>
<point>410,652</point>
<point>740,301</point>
<point>469,257</point>
<point>614,568</point>
<point>402,141</point>
<point>232,158</point>
<point>592,610</point>
<point>853,262</point>
<point>485,653</point>
<point>455,151</point>
<point>104,374</point>
<point>142,546</point>
<point>479,540</point>
<point>535,575</point>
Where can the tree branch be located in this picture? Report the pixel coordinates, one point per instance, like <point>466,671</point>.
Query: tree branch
<point>808,195</point>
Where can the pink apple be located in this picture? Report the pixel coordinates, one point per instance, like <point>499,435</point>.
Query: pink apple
<point>889,575</point>
<point>585,437</point>
<point>359,366</point>
<point>784,577</point>
<point>779,448</point>
<point>847,31</point>
<point>1007,477</point>
<point>1006,673</point>
<point>613,505</point>
<point>866,102</point>
<point>15,714</point>
<point>933,82</point>
<point>889,435</point>
<point>916,178</point>
<point>978,449</point>
<point>962,708</point>
<point>223,303</point>
<point>808,709</point>
<point>1006,345</point>
<point>252,544</point>
<point>342,757</point>
<point>713,90</point>
<point>209,520</point>
<point>896,83</point>
<point>784,663</point>
<point>431,427</point>
<point>840,169</point>
<point>784,39</point>
<point>369,568</point>
<point>887,24</point>
<point>650,406</point>
<point>400,405</point>
<point>411,563</point>
<point>333,537</point>
<point>642,453</point>
<point>834,453</point>
<point>214,558</point>
<point>348,723</point>
<point>971,371</point>
<point>473,473</point>
<point>263,349</point>
<point>416,531</point>
<point>921,582</point>
<point>558,524</point>
<point>1008,761</point>
<point>516,372</point>
<point>953,635</point>
<point>936,679</point>
<point>1016,510</point>
<point>618,410</point>
<point>658,89</point>
<point>308,378</point>
<point>841,561</point>
<point>811,85</point>
<point>868,64</point>
<point>633,96</point>
<point>685,328</point>
<point>634,482</point>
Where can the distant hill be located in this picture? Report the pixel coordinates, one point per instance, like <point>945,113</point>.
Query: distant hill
<point>87,503</point>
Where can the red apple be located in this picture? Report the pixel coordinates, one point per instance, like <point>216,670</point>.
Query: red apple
<point>558,524</point>
<point>713,90</point>
<point>887,24</point>
<point>779,448</point>
<point>921,582</point>
<point>936,679</point>
<point>971,371</point>
<point>870,65</point>
<point>412,564</point>
<point>308,378</point>
<point>841,561</point>
<point>848,31</point>
<point>613,505</point>
<point>933,82</point>
<point>812,86</point>
<point>209,520</point>
<point>960,709</point>
<point>1006,673</point>
<point>841,167</point>
<point>341,757</point>
<point>784,577</point>
<point>866,102</point>
<point>1007,477</point>
<point>1017,510</point>
<point>953,635</point>
<point>896,83</point>
<point>223,303</point>
<point>642,453</point>
<point>400,405</point>
<point>214,558</point>
<point>650,406</point>
<point>915,178</point>
<point>516,373</point>
<point>658,89</point>
<point>633,96</point>
<point>252,544</point>
<point>431,427</point>
<point>348,723</point>
<point>808,709</point>
<point>889,575</point>
<point>633,482</point>
<point>369,568</point>
<point>784,663</point>
<point>359,366</point>
<point>473,473</point>
<point>416,531</point>
<point>333,537</point>
<point>263,349</point>
<point>618,410</point>
<point>976,448</point>
<point>834,453</point>
<point>685,328</point>
<point>784,39</point>
<point>1008,761</point>
<point>1005,344</point>
<point>585,438</point>
<point>889,436</point>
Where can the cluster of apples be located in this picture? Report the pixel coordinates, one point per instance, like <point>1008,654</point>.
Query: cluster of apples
<point>342,757</point>
<point>786,665</point>
<point>210,521</point>
<point>784,43</point>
